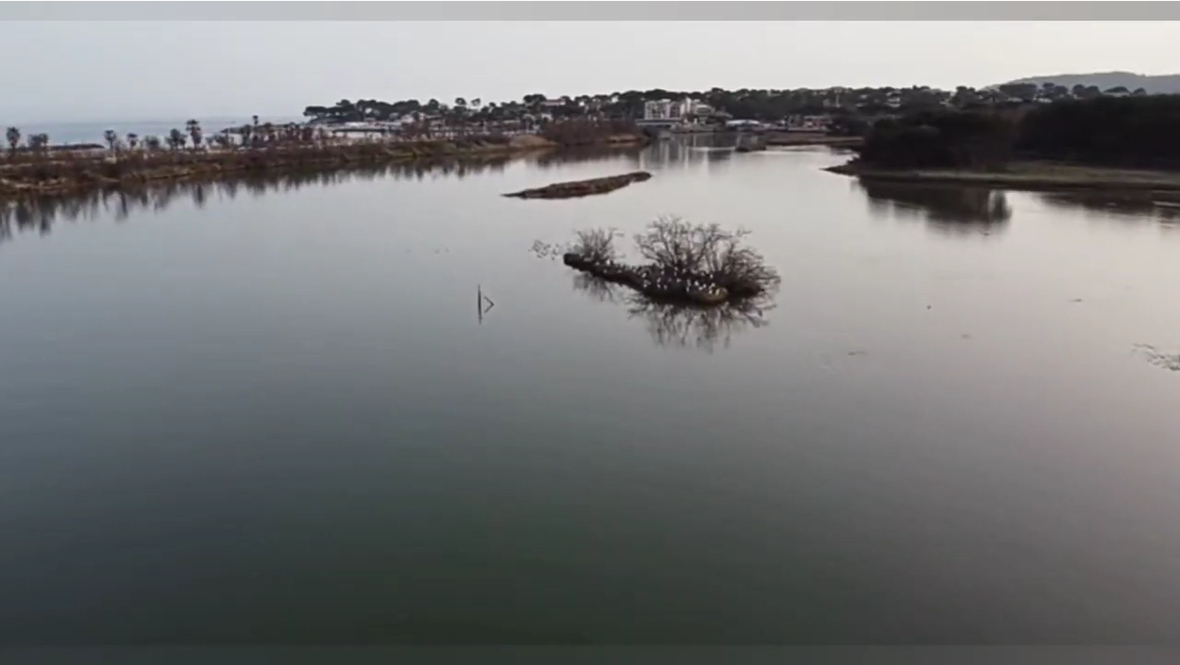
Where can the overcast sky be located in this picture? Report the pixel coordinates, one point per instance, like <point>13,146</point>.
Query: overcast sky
<point>141,70</point>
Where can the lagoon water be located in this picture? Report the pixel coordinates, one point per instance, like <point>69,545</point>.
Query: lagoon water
<point>271,412</point>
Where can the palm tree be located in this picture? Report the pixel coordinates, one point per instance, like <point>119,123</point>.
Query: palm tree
<point>112,139</point>
<point>256,122</point>
<point>38,142</point>
<point>132,140</point>
<point>152,143</point>
<point>194,130</point>
<point>13,136</point>
<point>176,139</point>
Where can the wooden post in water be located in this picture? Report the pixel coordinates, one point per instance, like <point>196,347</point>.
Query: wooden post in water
<point>479,302</point>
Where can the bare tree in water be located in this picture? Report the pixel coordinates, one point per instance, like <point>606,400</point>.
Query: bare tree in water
<point>706,249</point>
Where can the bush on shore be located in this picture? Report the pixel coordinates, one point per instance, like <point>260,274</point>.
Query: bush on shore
<point>588,132</point>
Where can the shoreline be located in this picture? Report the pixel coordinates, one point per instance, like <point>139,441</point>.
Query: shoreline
<point>53,175</point>
<point>1030,176</point>
<point>811,138</point>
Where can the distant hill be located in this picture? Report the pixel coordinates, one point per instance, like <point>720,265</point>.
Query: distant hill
<point>1154,85</point>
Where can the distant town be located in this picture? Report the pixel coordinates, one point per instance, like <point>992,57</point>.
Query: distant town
<point>830,110</point>
<point>792,116</point>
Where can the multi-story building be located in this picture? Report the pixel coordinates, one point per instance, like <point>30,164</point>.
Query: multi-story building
<point>666,111</point>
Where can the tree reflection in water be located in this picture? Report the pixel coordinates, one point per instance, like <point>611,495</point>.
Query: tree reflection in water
<point>42,212</point>
<point>947,208</point>
<point>677,325</point>
<point>1130,205</point>
<point>121,202</point>
<point>629,155</point>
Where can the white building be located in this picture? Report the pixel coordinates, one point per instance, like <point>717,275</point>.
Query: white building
<point>663,109</point>
<point>666,111</point>
<point>809,123</point>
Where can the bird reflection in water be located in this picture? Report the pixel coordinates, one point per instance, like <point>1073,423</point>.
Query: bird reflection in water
<point>678,325</point>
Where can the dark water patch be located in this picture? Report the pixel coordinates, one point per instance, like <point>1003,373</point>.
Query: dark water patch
<point>946,208</point>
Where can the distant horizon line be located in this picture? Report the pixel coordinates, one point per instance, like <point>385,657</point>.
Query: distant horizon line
<point>158,119</point>
<point>235,116</point>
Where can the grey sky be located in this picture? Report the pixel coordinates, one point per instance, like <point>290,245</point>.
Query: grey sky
<point>141,70</point>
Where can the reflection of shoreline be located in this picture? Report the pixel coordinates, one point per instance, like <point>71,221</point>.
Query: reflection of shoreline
<point>1132,205</point>
<point>947,208</point>
<point>1027,176</point>
<point>42,212</point>
<point>681,326</point>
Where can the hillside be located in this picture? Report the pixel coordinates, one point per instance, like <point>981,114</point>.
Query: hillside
<point>1162,84</point>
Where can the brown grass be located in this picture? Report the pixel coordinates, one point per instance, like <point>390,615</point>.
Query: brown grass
<point>61,173</point>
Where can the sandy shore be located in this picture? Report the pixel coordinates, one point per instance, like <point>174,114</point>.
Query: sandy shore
<point>1033,176</point>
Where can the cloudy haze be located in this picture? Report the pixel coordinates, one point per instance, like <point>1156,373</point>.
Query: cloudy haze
<point>140,70</point>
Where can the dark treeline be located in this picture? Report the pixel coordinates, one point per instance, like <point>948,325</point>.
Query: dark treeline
<point>941,139</point>
<point>1133,131</point>
<point>766,105</point>
<point>1110,131</point>
<point>758,104</point>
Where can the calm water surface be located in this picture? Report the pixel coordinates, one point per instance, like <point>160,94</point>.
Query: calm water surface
<point>272,413</point>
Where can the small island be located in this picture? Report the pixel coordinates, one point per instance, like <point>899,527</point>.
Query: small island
<point>693,264</point>
<point>577,188</point>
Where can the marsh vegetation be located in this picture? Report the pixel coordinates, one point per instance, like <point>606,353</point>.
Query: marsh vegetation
<point>698,264</point>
